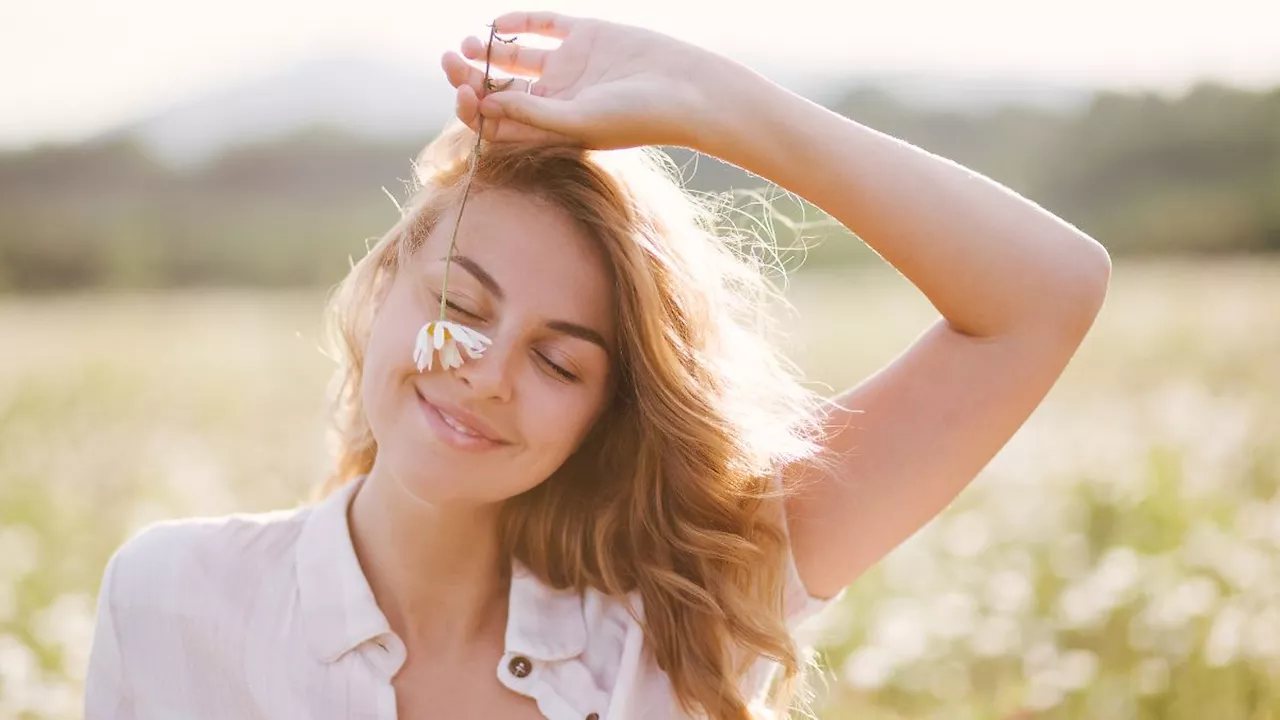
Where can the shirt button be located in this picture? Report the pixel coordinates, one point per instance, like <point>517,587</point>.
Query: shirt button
<point>520,666</point>
<point>593,716</point>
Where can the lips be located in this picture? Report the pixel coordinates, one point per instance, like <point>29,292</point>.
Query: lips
<point>453,423</point>
<point>459,428</point>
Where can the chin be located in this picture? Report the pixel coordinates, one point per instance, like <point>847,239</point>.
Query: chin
<point>438,476</point>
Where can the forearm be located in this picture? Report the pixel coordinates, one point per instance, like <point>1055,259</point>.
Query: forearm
<point>991,261</point>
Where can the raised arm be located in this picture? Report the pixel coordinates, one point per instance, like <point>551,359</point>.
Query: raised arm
<point>1017,289</point>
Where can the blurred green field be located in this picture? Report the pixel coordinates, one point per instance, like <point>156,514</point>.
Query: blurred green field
<point>1120,558</point>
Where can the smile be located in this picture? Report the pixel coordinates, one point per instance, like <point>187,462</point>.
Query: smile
<point>455,432</point>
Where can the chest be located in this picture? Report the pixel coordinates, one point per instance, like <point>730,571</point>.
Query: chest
<point>426,689</point>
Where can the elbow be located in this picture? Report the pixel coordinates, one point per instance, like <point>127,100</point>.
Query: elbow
<point>1096,276</point>
<point>1085,288</point>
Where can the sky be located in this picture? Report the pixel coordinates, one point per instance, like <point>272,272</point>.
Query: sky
<point>70,68</point>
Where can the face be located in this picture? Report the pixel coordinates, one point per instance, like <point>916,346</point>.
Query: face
<point>528,277</point>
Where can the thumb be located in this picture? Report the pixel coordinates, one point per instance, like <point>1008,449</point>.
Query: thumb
<point>556,116</point>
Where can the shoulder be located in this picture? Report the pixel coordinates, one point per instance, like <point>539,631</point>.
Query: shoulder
<point>172,564</point>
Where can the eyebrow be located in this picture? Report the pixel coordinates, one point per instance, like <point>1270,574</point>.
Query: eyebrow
<point>582,332</point>
<point>480,274</point>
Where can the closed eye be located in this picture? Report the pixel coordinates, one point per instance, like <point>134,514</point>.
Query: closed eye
<point>565,374</point>
<point>450,305</point>
<point>460,311</point>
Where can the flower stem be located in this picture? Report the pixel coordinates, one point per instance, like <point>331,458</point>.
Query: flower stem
<point>486,86</point>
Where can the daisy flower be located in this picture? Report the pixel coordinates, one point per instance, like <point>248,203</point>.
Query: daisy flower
<point>446,338</point>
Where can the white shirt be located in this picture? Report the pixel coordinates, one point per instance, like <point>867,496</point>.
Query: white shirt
<point>269,615</point>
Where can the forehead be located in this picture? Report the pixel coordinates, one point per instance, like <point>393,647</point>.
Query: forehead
<point>541,256</point>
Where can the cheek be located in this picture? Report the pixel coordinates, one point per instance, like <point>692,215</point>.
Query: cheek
<point>373,381</point>
<point>388,353</point>
<point>557,419</point>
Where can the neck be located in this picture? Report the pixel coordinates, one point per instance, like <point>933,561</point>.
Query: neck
<point>436,571</point>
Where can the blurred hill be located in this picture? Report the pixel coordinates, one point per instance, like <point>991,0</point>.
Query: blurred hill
<point>271,186</point>
<point>375,100</point>
<point>360,96</point>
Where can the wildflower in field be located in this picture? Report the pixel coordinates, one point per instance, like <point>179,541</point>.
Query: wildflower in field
<point>446,338</point>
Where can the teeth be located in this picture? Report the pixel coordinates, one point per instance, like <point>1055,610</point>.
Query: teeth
<point>457,426</point>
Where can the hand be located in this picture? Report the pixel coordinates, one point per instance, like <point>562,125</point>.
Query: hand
<point>606,86</point>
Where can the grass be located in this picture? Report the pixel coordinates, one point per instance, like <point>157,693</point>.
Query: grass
<point>1119,558</point>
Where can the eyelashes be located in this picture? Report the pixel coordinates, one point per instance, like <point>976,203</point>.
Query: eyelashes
<point>565,374</point>
<point>465,313</point>
<point>454,307</point>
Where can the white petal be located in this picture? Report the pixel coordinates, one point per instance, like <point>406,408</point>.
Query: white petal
<point>438,339</point>
<point>421,347</point>
<point>472,338</point>
<point>449,356</point>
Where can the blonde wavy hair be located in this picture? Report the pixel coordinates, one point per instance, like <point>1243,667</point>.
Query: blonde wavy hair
<point>670,493</point>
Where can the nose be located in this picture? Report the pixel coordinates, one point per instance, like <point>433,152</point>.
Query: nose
<point>490,375</point>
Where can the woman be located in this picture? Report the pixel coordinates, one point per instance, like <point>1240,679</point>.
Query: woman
<point>621,503</point>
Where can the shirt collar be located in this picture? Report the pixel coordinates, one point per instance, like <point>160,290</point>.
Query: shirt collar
<point>543,622</point>
<point>338,608</point>
<point>339,611</point>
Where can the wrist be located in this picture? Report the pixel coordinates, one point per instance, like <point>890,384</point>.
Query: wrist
<point>735,105</point>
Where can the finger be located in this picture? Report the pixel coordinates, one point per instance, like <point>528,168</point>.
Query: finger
<point>551,24</point>
<point>460,72</point>
<point>467,105</point>
<point>510,57</point>
<point>493,129</point>
<point>509,131</point>
<point>501,129</point>
<point>504,131</point>
<point>551,120</point>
